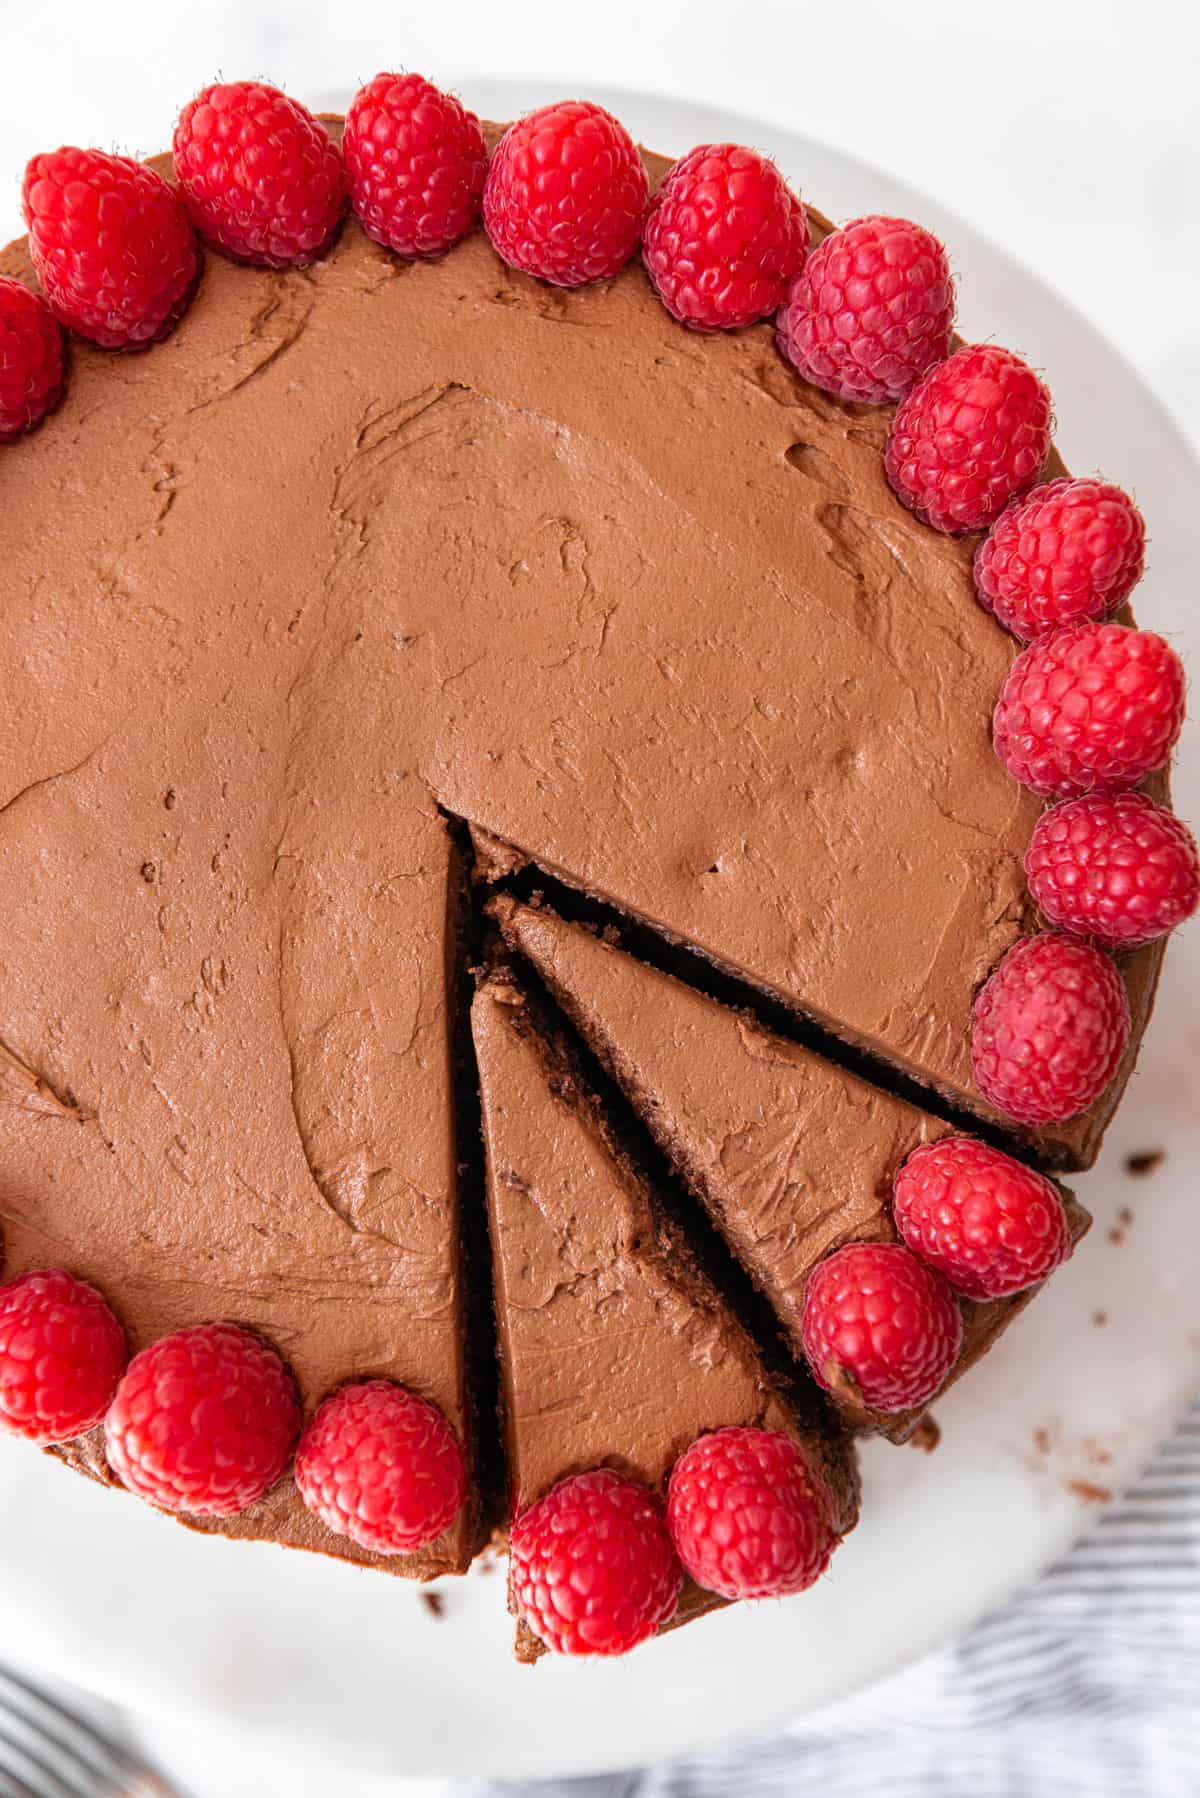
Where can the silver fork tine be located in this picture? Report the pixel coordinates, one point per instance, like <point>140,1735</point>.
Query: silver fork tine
<point>84,1747</point>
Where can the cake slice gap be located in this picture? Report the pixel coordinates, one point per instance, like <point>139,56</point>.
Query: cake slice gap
<point>790,1156</point>
<point>616,1349</point>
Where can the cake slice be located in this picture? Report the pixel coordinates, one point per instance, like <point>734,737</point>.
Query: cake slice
<point>615,1349</point>
<point>791,1156</point>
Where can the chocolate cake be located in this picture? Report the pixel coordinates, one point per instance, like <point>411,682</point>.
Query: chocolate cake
<point>615,1349</point>
<point>370,565</point>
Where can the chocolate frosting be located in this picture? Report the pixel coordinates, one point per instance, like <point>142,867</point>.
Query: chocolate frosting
<point>791,1156</point>
<point>614,1349</point>
<point>371,539</point>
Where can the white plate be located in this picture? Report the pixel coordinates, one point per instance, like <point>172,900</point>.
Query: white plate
<point>101,1591</point>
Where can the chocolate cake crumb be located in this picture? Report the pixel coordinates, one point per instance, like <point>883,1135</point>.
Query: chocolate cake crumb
<point>434,1603</point>
<point>927,1435</point>
<point>1089,1492</point>
<point>1124,1219</point>
<point>1144,1162</point>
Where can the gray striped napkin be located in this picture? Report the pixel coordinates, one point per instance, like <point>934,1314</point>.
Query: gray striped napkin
<point>1086,1686</point>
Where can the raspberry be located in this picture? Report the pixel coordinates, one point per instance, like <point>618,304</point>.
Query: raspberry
<point>871,310</point>
<point>31,359</point>
<point>112,246</point>
<point>592,1566</point>
<point>747,1517</point>
<point>565,196</point>
<point>971,434</point>
<point>877,1318</point>
<point>1049,1029</point>
<point>990,1225</point>
<point>724,237</point>
<point>204,1421</point>
<point>1120,870</point>
<point>262,177</point>
<point>415,164</point>
<point>382,1466</point>
<point>1068,552</point>
<point>1089,708</point>
<point>61,1354</point>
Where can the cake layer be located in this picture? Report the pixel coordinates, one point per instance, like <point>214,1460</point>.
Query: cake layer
<point>615,1350</point>
<point>641,603</point>
<point>791,1157</point>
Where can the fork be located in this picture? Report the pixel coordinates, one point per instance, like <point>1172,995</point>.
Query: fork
<point>49,1751</point>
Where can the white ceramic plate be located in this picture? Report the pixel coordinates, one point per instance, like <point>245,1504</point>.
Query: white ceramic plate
<point>103,1592</point>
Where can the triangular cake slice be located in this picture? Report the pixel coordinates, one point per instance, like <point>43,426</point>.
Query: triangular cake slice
<point>791,1156</point>
<point>615,1349</point>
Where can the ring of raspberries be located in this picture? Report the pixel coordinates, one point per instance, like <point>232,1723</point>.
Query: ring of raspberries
<point>205,1420</point>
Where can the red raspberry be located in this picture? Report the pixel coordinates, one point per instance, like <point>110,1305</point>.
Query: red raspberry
<point>876,1317</point>
<point>382,1466</point>
<point>990,1225</point>
<point>565,196</point>
<point>1089,708</point>
<point>970,435</point>
<point>1049,1029</point>
<point>31,359</point>
<point>1068,552</point>
<point>871,310</point>
<point>415,164</point>
<point>112,246</point>
<point>747,1517</point>
<point>1120,870</point>
<point>262,177</point>
<point>724,237</point>
<point>592,1569</point>
<point>61,1354</point>
<point>204,1421</point>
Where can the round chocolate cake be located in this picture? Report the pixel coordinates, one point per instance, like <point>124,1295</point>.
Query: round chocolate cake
<point>500,843</point>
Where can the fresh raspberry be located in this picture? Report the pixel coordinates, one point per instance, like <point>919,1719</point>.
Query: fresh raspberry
<point>747,1517</point>
<point>877,1319</point>
<point>724,237</point>
<point>870,311</point>
<point>1089,708</point>
<point>415,164</point>
<point>382,1466</point>
<point>262,177</point>
<point>1069,552</point>
<point>971,434</point>
<point>204,1421</point>
<point>112,246</point>
<point>990,1225</point>
<point>61,1354</point>
<point>1049,1029</point>
<point>592,1568</point>
<point>1118,869</point>
<point>565,197</point>
<point>31,359</point>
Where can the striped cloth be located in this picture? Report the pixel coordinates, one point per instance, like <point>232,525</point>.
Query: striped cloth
<point>1086,1686</point>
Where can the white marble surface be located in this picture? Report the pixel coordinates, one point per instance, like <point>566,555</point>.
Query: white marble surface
<point>1064,130</point>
